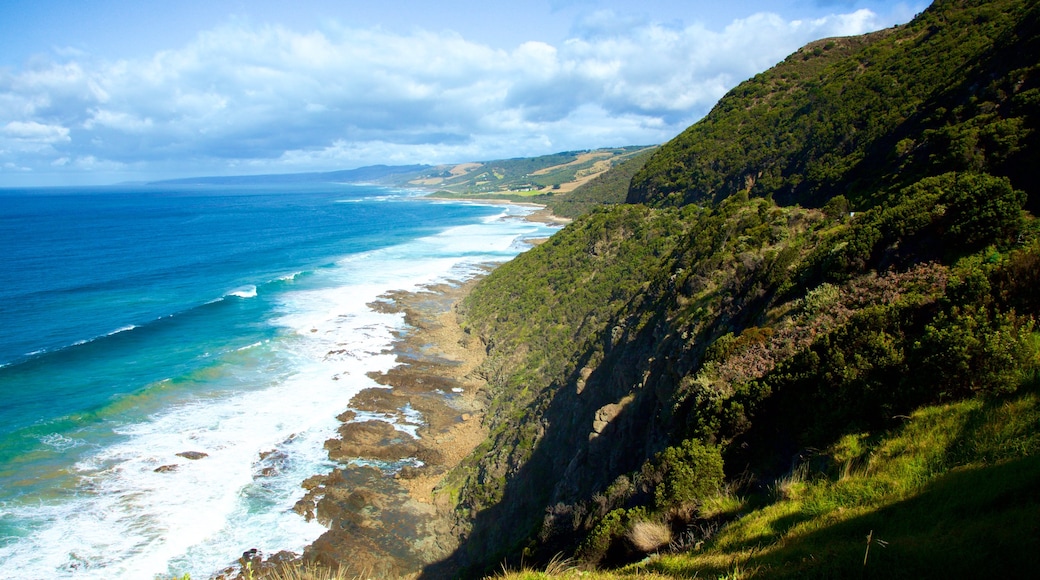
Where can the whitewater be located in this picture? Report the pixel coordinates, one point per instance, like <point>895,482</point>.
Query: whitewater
<point>173,360</point>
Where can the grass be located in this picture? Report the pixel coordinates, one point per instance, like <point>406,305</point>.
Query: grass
<point>953,492</point>
<point>287,571</point>
<point>306,572</point>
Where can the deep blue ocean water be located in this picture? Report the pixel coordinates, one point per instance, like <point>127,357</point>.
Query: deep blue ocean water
<point>139,322</point>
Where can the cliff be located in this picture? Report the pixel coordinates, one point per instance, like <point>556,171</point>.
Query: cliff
<point>844,241</point>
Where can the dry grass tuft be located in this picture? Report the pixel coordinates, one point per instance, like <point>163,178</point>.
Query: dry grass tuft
<point>649,536</point>
<point>307,572</point>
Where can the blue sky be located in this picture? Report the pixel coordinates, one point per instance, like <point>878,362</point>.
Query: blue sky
<point>116,90</point>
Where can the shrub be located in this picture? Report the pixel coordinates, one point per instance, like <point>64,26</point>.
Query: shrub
<point>969,351</point>
<point>983,209</point>
<point>688,473</point>
<point>595,546</point>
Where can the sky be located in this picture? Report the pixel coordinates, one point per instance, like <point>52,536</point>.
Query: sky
<point>112,91</point>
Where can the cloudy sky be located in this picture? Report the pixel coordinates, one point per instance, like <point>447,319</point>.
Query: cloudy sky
<point>123,90</point>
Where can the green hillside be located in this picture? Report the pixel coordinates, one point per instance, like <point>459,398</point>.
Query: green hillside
<point>954,90</point>
<point>537,179</point>
<point>813,323</point>
<point>607,188</point>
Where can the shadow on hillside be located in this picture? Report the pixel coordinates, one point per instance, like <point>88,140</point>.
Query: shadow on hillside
<point>567,464</point>
<point>970,523</point>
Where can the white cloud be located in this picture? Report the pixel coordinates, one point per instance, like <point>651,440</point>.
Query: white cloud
<point>119,121</point>
<point>273,99</point>
<point>33,132</point>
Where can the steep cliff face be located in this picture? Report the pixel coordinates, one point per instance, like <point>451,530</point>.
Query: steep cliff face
<point>730,316</point>
<point>593,337</point>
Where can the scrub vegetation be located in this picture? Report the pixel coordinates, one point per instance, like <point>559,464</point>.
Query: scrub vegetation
<point>806,346</point>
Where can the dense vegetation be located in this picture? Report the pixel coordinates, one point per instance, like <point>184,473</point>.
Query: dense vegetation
<point>957,89</point>
<point>818,322</point>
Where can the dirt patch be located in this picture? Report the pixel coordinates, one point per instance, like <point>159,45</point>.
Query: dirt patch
<point>582,158</point>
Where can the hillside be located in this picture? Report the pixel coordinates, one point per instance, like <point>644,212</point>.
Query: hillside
<point>607,188</point>
<point>954,90</point>
<point>811,313</point>
<point>537,179</point>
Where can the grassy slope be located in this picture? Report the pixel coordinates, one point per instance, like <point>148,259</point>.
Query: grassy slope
<point>954,492</point>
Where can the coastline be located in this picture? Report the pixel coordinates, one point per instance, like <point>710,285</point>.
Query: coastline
<point>541,215</point>
<point>385,519</point>
<point>381,507</point>
<point>226,467</point>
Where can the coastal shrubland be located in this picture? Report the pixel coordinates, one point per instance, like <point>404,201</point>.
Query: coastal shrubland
<point>953,90</point>
<point>806,346</point>
<point>948,493</point>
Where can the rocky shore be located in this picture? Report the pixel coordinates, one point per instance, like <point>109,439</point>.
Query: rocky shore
<point>384,516</point>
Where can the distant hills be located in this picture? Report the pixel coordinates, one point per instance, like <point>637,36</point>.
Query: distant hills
<point>570,182</point>
<point>522,178</point>
<point>546,175</point>
<point>370,174</point>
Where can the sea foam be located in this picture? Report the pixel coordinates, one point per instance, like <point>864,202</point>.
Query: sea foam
<point>213,474</point>
<point>244,292</point>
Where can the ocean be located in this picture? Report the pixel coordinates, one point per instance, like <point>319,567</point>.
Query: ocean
<point>142,326</point>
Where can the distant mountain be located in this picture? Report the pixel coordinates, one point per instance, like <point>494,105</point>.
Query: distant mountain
<point>369,174</point>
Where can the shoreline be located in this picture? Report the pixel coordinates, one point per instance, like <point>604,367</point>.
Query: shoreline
<point>391,522</point>
<point>381,507</point>
<point>542,215</point>
<point>383,513</point>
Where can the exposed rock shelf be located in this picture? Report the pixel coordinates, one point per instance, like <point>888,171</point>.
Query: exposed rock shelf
<point>380,506</point>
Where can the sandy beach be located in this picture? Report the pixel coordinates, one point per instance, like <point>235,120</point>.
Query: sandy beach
<point>542,215</point>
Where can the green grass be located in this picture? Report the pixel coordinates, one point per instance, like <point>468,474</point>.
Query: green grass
<point>955,492</point>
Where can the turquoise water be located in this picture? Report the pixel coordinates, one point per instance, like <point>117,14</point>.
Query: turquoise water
<point>139,322</point>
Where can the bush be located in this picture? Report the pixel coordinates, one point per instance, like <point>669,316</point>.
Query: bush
<point>688,473</point>
<point>970,351</point>
<point>980,209</point>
